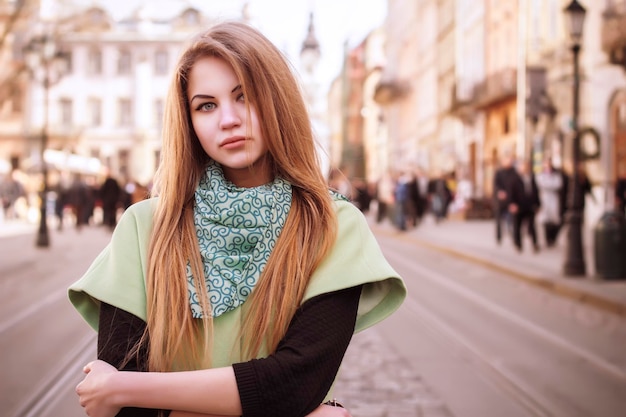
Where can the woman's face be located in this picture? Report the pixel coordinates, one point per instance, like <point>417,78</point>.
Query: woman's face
<point>220,120</point>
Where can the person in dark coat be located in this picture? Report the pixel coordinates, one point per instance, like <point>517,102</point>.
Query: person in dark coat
<point>440,197</point>
<point>110,193</point>
<point>421,185</point>
<point>523,205</point>
<point>620,195</point>
<point>79,197</point>
<point>502,183</point>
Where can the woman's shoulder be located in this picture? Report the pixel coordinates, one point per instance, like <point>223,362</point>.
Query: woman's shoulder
<point>347,211</point>
<point>137,218</point>
<point>142,210</point>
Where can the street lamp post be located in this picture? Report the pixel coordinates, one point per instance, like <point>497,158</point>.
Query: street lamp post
<point>46,64</point>
<point>575,261</point>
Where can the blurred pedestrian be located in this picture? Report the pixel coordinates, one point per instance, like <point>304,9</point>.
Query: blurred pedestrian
<point>524,202</point>
<point>503,179</point>
<point>440,197</point>
<point>79,198</point>
<point>246,269</point>
<point>550,184</point>
<point>362,197</point>
<point>620,195</point>
<point>413,203</point>
<point>60,202</point>
<point>402,200</point>
<point>585,188</point>
<point>110,194</point>
<point>421,180</point>
<point>384,197</point>
<point>11,191</point>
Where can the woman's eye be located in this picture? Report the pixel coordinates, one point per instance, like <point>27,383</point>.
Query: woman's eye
<point>240,97</point>
<point>206,106</point>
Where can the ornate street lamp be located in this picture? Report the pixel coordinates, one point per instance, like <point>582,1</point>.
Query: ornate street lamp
<point>575,262</point>
<point>46,65</point>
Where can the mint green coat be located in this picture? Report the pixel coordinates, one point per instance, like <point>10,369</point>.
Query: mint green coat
<point>117,276</point>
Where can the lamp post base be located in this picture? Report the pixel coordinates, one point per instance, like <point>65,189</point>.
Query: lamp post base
<point>43,237</point>
<point>574,265</point>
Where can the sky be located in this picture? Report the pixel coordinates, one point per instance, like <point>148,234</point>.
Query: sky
<point>285,22</point>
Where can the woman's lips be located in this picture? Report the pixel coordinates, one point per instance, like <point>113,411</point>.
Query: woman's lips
<point>234,142</point>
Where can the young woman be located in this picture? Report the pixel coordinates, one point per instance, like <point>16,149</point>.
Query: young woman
<point>288,270</point>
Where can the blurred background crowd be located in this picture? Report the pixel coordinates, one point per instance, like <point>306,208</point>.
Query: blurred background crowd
<point>417,117</point>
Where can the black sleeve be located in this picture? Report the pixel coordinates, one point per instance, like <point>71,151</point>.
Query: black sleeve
<point>294,380</point>
<point>118,333</point>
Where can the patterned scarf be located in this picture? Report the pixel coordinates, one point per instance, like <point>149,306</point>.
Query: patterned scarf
<point>237,229</point>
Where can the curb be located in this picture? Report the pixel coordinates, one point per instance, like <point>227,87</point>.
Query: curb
<point>586,297</point>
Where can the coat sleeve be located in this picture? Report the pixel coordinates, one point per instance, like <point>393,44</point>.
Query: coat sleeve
<point>356,259</point>
<point>116,276</point>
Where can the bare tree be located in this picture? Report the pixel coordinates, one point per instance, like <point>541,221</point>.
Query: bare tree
<point>14,15</point>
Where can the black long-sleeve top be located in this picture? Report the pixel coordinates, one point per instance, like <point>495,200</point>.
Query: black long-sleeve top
<point>292,381</point>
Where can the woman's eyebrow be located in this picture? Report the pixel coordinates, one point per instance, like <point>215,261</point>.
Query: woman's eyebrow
<point>206,96</point>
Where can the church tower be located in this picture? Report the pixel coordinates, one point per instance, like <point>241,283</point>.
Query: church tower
<point>310,55</point>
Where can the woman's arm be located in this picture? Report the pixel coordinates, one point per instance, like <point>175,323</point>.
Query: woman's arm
<point>293,380</point>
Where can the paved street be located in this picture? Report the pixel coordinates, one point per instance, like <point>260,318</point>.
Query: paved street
<point>377,379</point>
<point>475,241</point>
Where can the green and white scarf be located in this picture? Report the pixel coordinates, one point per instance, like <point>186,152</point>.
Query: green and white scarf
<point>237,229</point>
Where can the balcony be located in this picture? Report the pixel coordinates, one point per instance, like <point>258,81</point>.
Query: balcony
<point>389,90</point>
<point>498,87</point>
<point>462,101</point>
<point>614,33</point>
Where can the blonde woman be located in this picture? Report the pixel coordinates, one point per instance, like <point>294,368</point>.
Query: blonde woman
<point>289,270</point>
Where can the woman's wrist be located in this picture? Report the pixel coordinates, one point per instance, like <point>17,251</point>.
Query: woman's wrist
<point>121,388</point>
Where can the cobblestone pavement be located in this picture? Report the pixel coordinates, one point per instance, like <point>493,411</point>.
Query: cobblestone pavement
<point>375,381</point>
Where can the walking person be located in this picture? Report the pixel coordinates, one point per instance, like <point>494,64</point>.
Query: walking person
<point>11,191</point>
<point>550,185</point>
<point>79,198</point>
<point>402,199</point>
<point>384,196</point>
<point>523,204</point>
<point>620,195</point>
<point>585,188</point>
<point>440,197</point>
<point>110,194</point>
<point>236,290</point>
<point>502,183</point>
<point>421,180</point>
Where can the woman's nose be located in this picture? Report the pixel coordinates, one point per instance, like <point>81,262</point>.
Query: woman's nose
<point>230,117</point>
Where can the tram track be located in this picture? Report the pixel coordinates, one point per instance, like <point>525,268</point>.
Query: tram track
<point>44,396</point>
<point>514,376</point>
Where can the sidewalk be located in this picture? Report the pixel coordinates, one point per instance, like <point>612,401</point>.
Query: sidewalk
<point>475,241</point>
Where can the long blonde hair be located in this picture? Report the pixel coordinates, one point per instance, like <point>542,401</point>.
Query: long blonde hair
<point>269,85</point>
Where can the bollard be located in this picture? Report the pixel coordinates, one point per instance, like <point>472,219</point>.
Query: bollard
<point>610,246</point>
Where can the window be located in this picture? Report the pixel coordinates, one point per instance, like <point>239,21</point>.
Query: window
<point>124,116</point>
<point>191,17</point>
<point>160,63</point>
<point>123,156</point>
<point>124,62</point>
<point>96,16</point>
<point>66,111</point>
<point>95,111</point>
<point>66,64</point>
<point>94,63</point>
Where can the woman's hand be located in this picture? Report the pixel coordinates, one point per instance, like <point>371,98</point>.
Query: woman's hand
<point>94,391</point>
<point>329,411</point>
